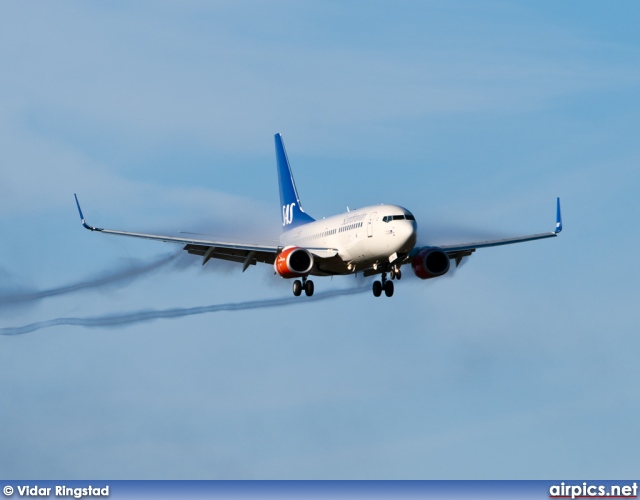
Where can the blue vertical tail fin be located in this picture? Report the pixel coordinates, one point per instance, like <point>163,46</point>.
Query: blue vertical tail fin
<point>292,213</point>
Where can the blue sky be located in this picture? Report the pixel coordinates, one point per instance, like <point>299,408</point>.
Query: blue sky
<point>475,116</point>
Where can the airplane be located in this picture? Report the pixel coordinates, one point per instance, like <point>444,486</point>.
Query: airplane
<point>374,240</point>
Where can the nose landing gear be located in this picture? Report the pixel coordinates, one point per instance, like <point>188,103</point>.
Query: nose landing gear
<point>395,273</point>
<point>306,285</point>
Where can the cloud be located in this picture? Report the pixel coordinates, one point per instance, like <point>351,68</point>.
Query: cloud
<point>224,90</point>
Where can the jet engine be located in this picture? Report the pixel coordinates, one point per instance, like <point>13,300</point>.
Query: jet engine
<point>430,263</point>
<point>293,262</point>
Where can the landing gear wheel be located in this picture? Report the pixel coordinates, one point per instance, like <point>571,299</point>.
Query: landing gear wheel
<point>399,274</point>
<point>377,289</point>
<point>308,288</point>
<point>297,288</point>
<point>392,273</point>
<point>388,288</point>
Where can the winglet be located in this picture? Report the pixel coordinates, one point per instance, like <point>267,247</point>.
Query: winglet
<point>558,217</point>
<point>91,228</point>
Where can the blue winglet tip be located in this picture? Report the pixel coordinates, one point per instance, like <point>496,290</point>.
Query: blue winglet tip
<point>558,217</point>
<point>80,212</point>
<point>78,205</point>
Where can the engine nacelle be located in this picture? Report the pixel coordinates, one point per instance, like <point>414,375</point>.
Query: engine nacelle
<point>430,263</point>
<point>293,262</point>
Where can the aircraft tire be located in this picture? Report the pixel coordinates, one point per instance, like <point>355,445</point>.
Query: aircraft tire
<point>297,288</point>
<point>308,288</point>
<point>388,288</point>
<point>399,274</point>
<point>377,289</point>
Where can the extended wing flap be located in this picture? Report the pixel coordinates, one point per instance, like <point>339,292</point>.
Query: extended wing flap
<point>242,256</point>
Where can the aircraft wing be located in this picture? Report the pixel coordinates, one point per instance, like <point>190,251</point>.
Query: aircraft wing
<point>457,252</point>
<point>245,253</point>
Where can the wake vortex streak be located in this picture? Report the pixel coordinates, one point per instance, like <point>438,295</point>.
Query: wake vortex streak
<point>124,274</point>
<point>149,315</point>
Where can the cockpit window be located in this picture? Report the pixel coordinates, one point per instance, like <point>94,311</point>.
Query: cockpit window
<point>407,215</point>
<point>389,218</point>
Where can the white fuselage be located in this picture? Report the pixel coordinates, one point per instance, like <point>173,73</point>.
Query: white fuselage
<point>361,237</point>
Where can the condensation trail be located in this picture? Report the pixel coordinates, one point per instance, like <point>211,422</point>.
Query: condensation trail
<point>149,315</point>
<point>120,275</point>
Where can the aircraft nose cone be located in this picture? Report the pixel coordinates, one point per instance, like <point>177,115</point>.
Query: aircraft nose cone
<point>407,235</point>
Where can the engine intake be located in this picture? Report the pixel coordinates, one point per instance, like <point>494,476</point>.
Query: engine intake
<point>293,262</point>
<point>430,263</point>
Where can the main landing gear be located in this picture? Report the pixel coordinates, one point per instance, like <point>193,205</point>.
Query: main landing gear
<point>386,284</point>
<point>305,284</point>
